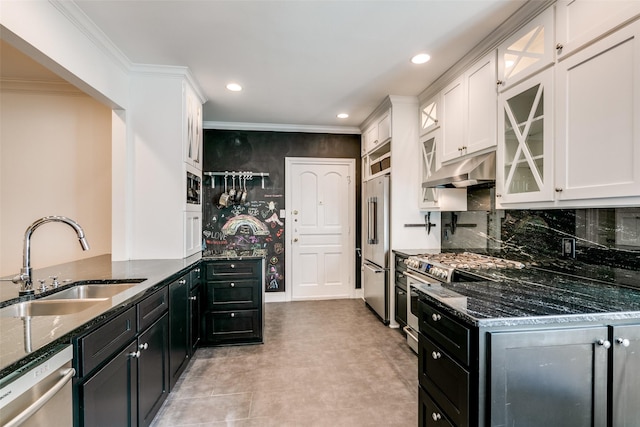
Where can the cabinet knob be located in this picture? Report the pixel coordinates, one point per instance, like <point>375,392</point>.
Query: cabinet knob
<point>193,298</point>
<point>623,342</point>
<point>233,266</point>
<point>558,190</point>
<point>500,82</point>
<point>135,354</point>
<point>143,346</point>
<point>436,317</point>
<point>559,46</point>
<point>604,343</point>
<point>233,315</point>
<point>197,270</point>
<point>233,285</point>
<point>498,195</point>
<point>436,416</point>
<point>436,355</point>
<point>182,282</point>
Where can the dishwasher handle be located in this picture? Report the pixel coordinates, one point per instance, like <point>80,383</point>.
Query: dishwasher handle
<point>33,408</point>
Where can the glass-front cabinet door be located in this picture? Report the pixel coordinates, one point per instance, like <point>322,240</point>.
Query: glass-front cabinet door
<point>429,115</point>
<point>435,199</point>
<point>527,51</point>
<point>524,155</point>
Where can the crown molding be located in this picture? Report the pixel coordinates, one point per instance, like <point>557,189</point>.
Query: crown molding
<point>92,32</point>
<point>278,127</point>
<point>176,71</point>
<point>513,23</point>
<point>48,87</point>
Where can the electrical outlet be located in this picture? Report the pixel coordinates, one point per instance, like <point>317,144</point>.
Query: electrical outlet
<point>569,247</point>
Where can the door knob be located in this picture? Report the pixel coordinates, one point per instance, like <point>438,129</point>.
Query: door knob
<point>295,240</point>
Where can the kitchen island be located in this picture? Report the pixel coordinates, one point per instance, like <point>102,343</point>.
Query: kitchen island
<point>529,347</point>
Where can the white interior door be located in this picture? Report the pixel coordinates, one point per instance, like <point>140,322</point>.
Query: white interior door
<point>320,222</point>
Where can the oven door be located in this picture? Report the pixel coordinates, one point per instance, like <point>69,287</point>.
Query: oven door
<point>413,325</point>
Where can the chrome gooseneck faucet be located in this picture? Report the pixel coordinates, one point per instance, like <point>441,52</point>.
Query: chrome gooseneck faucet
<point>24,278</point>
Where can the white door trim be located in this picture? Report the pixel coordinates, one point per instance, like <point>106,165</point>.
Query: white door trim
<point>350,250</point>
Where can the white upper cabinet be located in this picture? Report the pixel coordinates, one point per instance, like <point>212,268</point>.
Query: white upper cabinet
<point>580,22</point>
<point>469,109</point>
<point>598,118</point>
<point>524,162</point>
<point>192,128</point>
<point>377,133</point>
<point>429,118</point>
<point>433,199</point>
<point>527,51</point>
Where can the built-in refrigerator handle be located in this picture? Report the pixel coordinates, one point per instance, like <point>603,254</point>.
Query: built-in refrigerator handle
<point>372,220</point>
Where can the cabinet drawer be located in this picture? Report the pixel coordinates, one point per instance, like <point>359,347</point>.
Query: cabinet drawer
<point>445,380</point>
<point>228,327</point>
<point>430,414</point>
<point>150,309</point>
<point>217,270</point>
<point>401,280</point>
<point>101,344</point>
<point>400,265</point>
<point>448,333</point>
<point>234,295</point>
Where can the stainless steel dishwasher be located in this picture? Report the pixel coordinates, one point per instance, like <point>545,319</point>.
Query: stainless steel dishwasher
<point>42,395</point>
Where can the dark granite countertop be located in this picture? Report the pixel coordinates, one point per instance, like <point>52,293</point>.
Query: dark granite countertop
<point>534,296</point>
<point>48,332</point>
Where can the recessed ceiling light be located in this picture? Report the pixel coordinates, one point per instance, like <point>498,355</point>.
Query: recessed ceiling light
<point>420,58</point>
<point>234,87</point>
<point>343,115</point>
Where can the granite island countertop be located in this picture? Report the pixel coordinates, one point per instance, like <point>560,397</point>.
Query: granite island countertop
<point>18,350</point>
<point>533,296</point>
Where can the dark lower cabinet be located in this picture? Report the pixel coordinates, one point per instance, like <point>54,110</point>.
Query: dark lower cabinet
<point>153,372</point>
<point>401,306</point>
<point>124,383</point>
<point>233,310</point>
<point>109,398</point>
<point>179,344</point>
<point>625,381</point>
<point>195,318</point>
<point>550,377</point>
<point>430,415</point>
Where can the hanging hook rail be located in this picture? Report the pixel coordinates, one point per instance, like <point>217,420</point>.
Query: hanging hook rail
<point>248,175</point>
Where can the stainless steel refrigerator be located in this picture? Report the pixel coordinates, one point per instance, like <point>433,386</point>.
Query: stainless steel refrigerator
<point>375,277</point>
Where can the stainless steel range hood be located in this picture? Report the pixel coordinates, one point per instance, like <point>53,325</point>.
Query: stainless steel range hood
<point>474,170</point>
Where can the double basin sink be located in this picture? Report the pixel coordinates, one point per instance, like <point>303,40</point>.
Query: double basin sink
<point>67,301</point>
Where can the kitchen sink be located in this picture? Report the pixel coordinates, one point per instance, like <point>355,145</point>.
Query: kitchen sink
<point>45,307</point>
<point>90,291</point>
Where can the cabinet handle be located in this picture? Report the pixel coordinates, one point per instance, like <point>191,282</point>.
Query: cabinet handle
<point>436,317</point>
<point>232,266</point>
<point>436,355</point>
<point>401,293</point>
<point>233,315</point>
<point>558,190</point>
<point>499,82</point>
<point>193,298</point>
<point>233,285</point>
<point>182,282</point>
<point>143,346</point>
<point>135,354</point>
<point>498,195</point>
<point>604,343</point>
<point>436,416</point>
<point>197,270</point>
<point>559,46</point>
<point>623,342</point>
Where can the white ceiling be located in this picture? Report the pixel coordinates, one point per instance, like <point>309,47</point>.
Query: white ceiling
<point>300,62</point>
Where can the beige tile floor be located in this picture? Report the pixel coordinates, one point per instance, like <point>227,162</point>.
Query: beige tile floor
<point>323,363</point>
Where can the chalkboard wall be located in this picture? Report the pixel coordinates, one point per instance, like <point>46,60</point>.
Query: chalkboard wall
<point>255,227</point>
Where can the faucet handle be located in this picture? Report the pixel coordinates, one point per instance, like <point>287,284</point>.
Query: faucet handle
<point>43,284</point>
<point>55,282</point>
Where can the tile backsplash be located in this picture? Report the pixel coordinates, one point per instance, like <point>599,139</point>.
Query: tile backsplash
<point>605,237</point>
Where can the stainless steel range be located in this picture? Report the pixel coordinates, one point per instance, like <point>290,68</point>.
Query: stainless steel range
<point>427,272</point>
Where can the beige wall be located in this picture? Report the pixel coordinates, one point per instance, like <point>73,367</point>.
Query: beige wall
<point>55,159</point>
